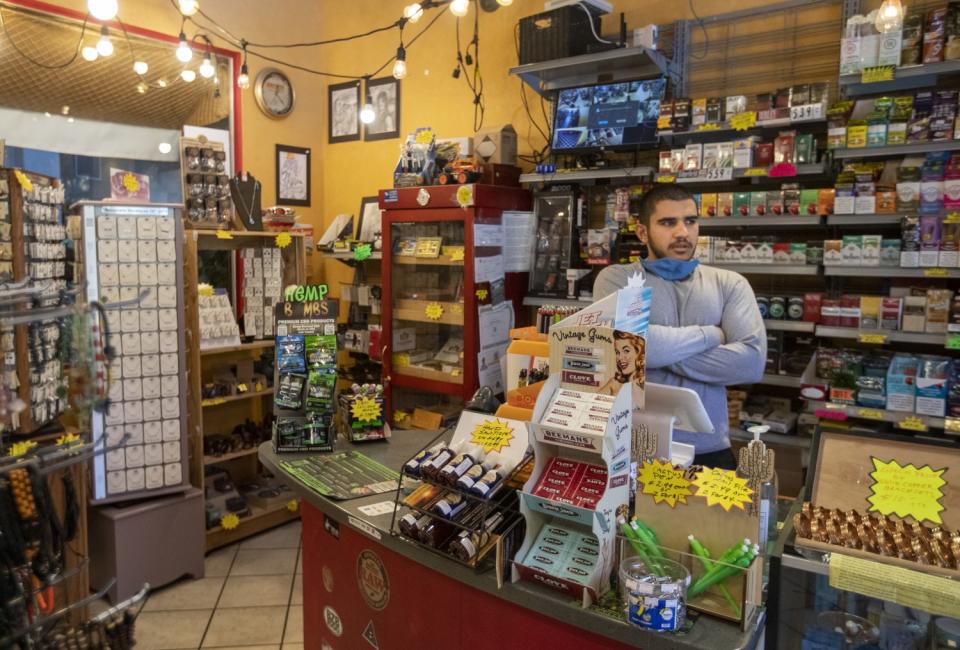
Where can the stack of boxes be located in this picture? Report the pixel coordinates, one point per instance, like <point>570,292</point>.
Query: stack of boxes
<point>927,116</point>
<point>262,290</point>
<point>906,309</point>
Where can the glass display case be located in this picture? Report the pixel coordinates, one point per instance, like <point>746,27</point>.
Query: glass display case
<point>554,245</point>
<point>442,264</point>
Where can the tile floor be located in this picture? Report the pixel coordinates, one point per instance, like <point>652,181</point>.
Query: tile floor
<point>249,599</point>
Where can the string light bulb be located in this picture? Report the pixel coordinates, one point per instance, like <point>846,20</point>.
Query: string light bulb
<point>162,83</point>
<point>164,147</point>
<point>207,68</point>
<point>189,7</point>
<point>103,9</point>
<point>188,75</point>
<point>184,53</point>
<point>142,88</point>
<point>459,7</point>
<point>413,12</point>
<point>89,53</point>
<point>889,16</point>
<point>140,67</point>
<point>400,66</point>
<point>104,45</point>
<point>243,81</point>
<point>367,114</point>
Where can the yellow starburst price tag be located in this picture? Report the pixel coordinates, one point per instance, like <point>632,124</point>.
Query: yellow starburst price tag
<point>755,171</point>
<point>224,234</point>
<point>456,308</point>
<point>293,505</point>
<point>663,123</point>
<point>877,73</point>
<point>456,253</point>
<point>25,182</point>
<point>20,448</point>
<point>69,440</point>
<point>665,483</point>
<point>907,491</point>
<point>870,414</point>
<point>131,184</point>
<point>722,487</point>
<point>465,196</point>
<point>283,240</point>
<point>492,435</point>
<point>229,521</point>
<point>399,417</point>
<point>482,294</point>
<point>365,410</point>
<point>913,423</point>
<point>935,272</point>
<point>875,339</point>
<point>424,137</point>
<point>434,311</point>
<point>743,121</point>
<point>205,289</point>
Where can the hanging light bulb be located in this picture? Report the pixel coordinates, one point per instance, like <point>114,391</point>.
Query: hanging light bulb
<point>243,81</point>
<point>367,114</point>
<point>104,45</point>
<point>164,147</point>
<point>400,66</point>
<point>889,16</point>
<point>103,9</point>
<point>188,75</point>
<point>207,69</point>
<point>189,7</point>
<point>504,3</point>
<point>184,53</point>
<point>162,83</point>
<point>142,88</point>
<point>140,67</point>
<point>459,7</point>
<point>89,53</point>
<point>413,12</point>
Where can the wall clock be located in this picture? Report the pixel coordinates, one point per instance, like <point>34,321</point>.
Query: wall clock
<point>274,93</point>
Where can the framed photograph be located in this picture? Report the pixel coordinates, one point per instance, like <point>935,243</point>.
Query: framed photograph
<point>293,175</point>
<point>384,95</point>
<point>370,218</point>
<point>344,112</point>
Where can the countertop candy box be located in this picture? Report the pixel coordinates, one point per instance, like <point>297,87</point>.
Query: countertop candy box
<point>581,436</point>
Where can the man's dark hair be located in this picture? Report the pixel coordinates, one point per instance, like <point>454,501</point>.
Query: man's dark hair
<point>665,192</point>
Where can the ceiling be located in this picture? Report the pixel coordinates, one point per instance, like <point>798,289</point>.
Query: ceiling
<point>106,89</point>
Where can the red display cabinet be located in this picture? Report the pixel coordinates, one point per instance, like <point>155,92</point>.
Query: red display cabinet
<point>432,239</point>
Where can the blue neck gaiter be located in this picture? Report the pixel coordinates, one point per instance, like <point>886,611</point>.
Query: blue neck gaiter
<point>671,269</point>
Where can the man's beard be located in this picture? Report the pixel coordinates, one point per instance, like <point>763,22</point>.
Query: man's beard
<point>661,254</point>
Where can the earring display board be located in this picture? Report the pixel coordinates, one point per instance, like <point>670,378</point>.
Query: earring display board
<point>206,184</point>
<point>132,254</point>
<point>32,249</point>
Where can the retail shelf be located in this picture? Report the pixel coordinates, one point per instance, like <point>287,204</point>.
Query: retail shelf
<point>537,301</point>
<point>784,381</point>
<point>780,439</point>
<point>348,256</point>
<point>727,175</point>
<point>889,272</point>
<point>416,311</point>
<point>243,347</point>
<point>726,130</point>
<point>442,260</point>
<point>771,269</point>
<point>588,175</point>
<point>896,150</point>
<point>820,567</point>
<point>413,377</point>
<point>789,325</point>
<point>892,336</point>
<point>240,234</point>
<point>217,401</point>
<point>834,411</point>
<point>259,520</point>
<point>914,76</point>
<point>864,219</point>
<point>761,222</point>
<point>620,64</point>
<point>243,453</point>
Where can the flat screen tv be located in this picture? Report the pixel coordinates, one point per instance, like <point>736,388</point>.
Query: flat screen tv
<point>617,115</point>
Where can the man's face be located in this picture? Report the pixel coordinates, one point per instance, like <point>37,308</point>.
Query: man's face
<point>673,230</point>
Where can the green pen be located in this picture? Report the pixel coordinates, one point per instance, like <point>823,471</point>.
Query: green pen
<point>704,555</point>
<point>723,573</point>
<point>652,549</point>
<point>634,542</point>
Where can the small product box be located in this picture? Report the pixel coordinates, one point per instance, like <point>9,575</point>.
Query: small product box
<point>931,196</point>
<point>865,204</point>
<point>897,133</point>
<point>845,199</point>
<point>914,313</point>
<point>852,250</point>
<point>890,252</point>
<point>711,155</point>
<point>763,154</point>
<point>891,310</point>
<point>932,388</point>
<point>758,203</point>
<point>725,204</point>
<point>890,47</point>
<point>735,104</point>
<point>857,135</point>
<point>929,240</point>
<point>743,152</point>
<point>708,205</point>
<point>741,204</point>
<point>791,198</point>
<point>949,245</point>
<point>886,202</point>
<point>798,253</point>
<point>699,107</point>
<point>812,303</point>
<point>693,156</point>
<point>938,310</point>
<point>833,252</point>
<point>908,196</point>
<point>775,202</point>
<point>901,384</point>
<point>910,242</point>
<point>826,201</point>
<point>715,110</point>
<point>871,250</point>
<point>666,165</point>
<point>809,201</point>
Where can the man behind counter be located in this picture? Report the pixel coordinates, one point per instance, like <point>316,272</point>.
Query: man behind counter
<point>706,332</point>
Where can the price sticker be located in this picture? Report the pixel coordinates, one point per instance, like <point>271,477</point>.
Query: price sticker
<point>283,240</point>
<point>953,217</point>
<point>242,388</point>
<point>806,112</point>
<point>874,339</point>
<point>935,273</point>
<point>755,171</point>
<point>665,483</point>
<point>709,126</point>
<point>877,74</point>
<point>722,174</point>
<point>433,311</point>
<point>362,252</point>
<point>951,425</point>
<point>953,341</point>
<point>456,254</point>
<point>663,123</point>
<point>666,178</point>
<point>223,234</point>
<point>743,121</point>
<point>721,487</point>
<point>870,414</point>
<point>913,423</point>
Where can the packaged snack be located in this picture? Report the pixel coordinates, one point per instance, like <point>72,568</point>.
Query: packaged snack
<point>910,242</point>
<point>289,393</point>
<point>929,240</point>
<point>290,353</point>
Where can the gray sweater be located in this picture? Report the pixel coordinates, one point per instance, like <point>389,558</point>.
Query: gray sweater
<point>706,333</point>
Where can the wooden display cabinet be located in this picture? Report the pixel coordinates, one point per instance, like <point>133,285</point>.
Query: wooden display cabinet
<point>431,301</point>
<point>221,415</point>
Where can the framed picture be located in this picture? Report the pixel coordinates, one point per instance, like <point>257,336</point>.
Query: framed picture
<point>293,175</point>
<point>344,112</point>
<point>370,218</point>
<point>384,95</point>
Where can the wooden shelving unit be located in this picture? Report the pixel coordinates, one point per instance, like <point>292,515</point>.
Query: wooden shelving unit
<point>243,347</point>
<point>259,520</point>
<point>217,401</point>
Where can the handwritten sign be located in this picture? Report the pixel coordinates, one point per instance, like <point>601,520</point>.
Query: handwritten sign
<point>876,74</point>
<point>492,435</point>
<point>433,311</point>
<point>743,121</point>
<point>906,587</point>
<point>664,482</point>
<point>907,491</point>
<point>721,487</point>
<point>366,410</point>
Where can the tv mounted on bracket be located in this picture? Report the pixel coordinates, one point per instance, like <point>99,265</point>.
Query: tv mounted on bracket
<point>612,115</point>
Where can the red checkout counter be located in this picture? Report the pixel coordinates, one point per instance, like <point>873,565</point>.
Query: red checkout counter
<point>366,588</point>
